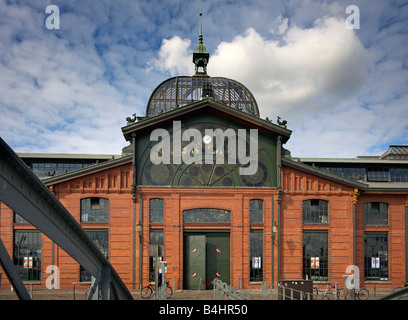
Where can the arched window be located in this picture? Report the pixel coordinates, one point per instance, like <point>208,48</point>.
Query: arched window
<point>156,210</point>
<point>315,211</point>
<point>207,216</point>
<point>376,213</point>
<point>94,210</point>
<point>256,211</point>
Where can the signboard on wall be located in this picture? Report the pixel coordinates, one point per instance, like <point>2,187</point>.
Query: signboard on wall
<point>28,262</point>
<point>375,262</point>
<point>314,262</point>
<point>256,262</point>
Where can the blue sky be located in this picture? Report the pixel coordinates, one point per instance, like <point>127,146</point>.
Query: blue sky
<point>344,92</point>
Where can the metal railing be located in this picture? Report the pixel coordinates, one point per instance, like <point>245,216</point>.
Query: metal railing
<point>223,291</point>
<point>281,292</point>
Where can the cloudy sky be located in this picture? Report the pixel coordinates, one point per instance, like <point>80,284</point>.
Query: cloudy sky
<point>338,77</point>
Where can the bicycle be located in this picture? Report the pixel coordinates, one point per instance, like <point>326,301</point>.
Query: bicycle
<point>147,292</point>
<point>329,292</point>
<point>361,294</point>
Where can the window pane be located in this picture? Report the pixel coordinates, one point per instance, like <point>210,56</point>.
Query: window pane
<point>27,254</point>
<point>256,211</point>
<point>94,210</point>
<point>207,216</point>
<point>315,211</point>
<point>399,174</point>
<point>378,174</point>
<point>256,252</point>
<point>156,237</point>
<point>376,213</point>
<point>19,219</point>
<point>156,210</point>
<point>100,238</point>
<point>315,256</point>
<point>375,256</point>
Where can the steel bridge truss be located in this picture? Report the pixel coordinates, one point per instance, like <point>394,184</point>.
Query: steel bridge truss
<point>22,191</point>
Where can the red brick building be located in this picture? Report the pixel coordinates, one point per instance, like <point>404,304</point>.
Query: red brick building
<point>191,181</point>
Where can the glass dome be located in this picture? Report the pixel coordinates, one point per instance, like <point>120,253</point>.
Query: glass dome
<point>180,91</point>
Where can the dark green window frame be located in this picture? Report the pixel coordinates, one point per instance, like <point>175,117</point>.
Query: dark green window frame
<point>206,215</point>
<point>155,237</point>
<point>95,210</point>
<point>156,206</point>
<point>101,238</point>
<point>375,214</point>
<point>256,211</point>
<point>315,255</point>
<point>27,254</point>
<point>256,255</point>
<point>315,211</point>
<point>376,256</point>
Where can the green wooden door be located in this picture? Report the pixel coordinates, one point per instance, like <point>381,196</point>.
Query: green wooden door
<point>218,258</point>
<point>194,261</point>
<point>206,256</point>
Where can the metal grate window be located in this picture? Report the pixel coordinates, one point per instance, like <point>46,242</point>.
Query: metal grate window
<point>376,213</point>
<point>256,252</point>
<point>155,237</point>
<point>256,211</point>
<point>94,210</point>
<point>399,174</point>
<point>375,256</point>
<point>156,210</point>
<point>315,255</point>
<point>100,238</point>
<point>378,174</point>
<point>27,254</point>
<point>207,215</point>
<point>315,211</point>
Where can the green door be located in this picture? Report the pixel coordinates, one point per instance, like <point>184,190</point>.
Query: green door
<point>206,256</point>
<point>194,261</point>
<point>218,258</point>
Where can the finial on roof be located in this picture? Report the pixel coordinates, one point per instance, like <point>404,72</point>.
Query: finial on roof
<point>201,56</point>
<point>200,37</point>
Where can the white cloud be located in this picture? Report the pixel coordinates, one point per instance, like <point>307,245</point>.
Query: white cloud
<point>54,93</point>
<point>280,25</point>
<point>342,92</point>
<point>308,76</point>
<point>310,65</point>
<point>174,57</point>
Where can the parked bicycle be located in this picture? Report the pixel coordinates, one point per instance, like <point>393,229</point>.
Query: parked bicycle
<point>361,294</point>
<point>334,293</point>
<point>329,292</point>
<point>147,292</point>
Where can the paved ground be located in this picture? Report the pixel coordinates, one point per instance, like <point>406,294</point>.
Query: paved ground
<point>79,294</point>
<point>43,294</point>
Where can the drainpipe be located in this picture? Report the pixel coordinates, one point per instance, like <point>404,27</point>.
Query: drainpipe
<point>355,198</point>
<point>279,167</point>
<point>406,238</point>
<point>273,241</point>
<point>134,211</point>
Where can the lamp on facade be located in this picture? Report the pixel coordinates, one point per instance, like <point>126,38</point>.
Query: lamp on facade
<point>274,231</point>
<point>139,228</point>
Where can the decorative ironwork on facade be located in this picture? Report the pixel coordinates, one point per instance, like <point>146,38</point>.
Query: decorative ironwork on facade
<point>179,91</point>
